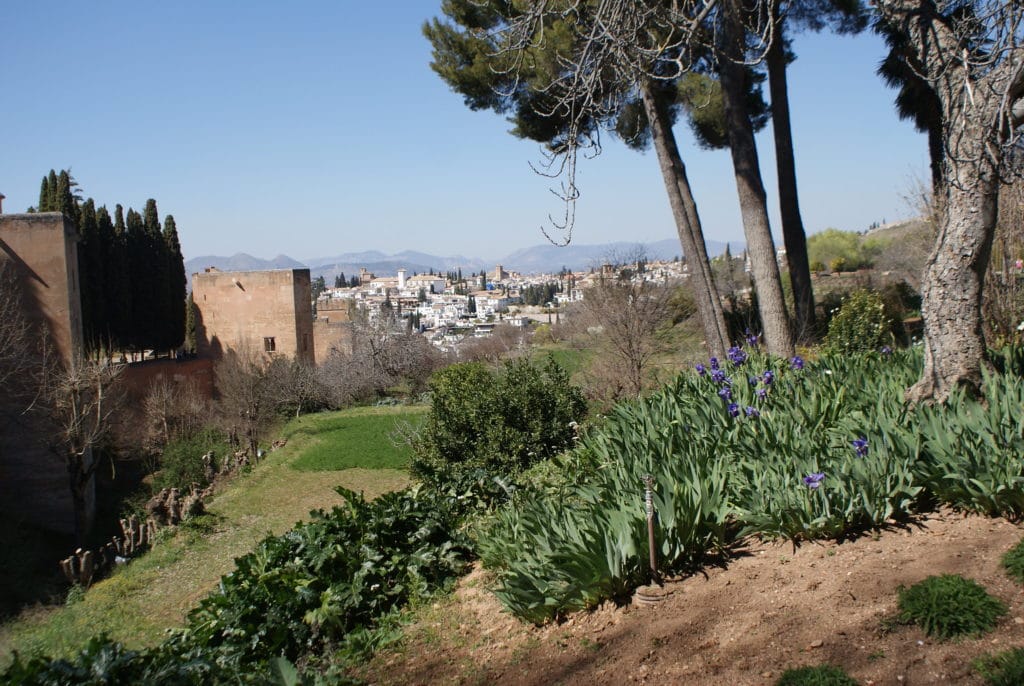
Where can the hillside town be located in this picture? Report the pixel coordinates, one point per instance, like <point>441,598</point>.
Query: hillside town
<point>447,310</point>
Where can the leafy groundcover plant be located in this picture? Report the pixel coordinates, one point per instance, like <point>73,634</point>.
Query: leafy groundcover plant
<point>1002,669</point>
<point>1013,561</point>
<point>303,593</point>
<point>821,675</point>
<point>949,606</point>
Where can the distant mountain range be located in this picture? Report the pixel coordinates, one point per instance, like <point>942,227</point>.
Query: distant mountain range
<point>539,259</point>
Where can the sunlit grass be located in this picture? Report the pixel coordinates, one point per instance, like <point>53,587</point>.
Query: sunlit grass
<point>371,437</point>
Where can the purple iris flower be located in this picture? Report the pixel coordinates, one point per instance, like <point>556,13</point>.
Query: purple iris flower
<point>737,356</point>
<point>701,369</point>
<point>718,376</point>
<point>734,410</point>
<point>886,350</point>
<point>814,480</point>
<point>752,411</point>
<point>713,362</point>
<point>761,393</point>
<point>768,377</point>
<point>725,393</point>
<point>751,337</point>
<point>861,446</point>
<point>753,380</point>
<point>796,363</point>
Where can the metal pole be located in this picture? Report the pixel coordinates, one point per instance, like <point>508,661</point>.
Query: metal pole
<point>649,505</point>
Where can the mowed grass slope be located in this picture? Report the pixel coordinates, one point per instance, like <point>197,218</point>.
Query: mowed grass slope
<point>366,437</point>
<point>154,593</point>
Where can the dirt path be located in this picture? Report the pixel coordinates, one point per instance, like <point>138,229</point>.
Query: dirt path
<point>769,610</point>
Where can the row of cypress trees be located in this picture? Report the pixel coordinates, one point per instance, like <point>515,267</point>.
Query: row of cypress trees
<point>131,271</point>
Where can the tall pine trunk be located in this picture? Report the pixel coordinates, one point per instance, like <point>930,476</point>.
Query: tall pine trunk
<point>750,187</point>
<point>691,236</point>
<point>789,204</point>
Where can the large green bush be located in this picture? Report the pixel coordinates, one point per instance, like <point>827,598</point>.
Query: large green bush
<point>499,421</point>
<point>860,325</point>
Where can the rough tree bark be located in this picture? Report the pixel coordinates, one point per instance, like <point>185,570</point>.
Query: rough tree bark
<point>749,185</point>
<point>789,204</point>
<point>691,236</point>
<point>976,70</point>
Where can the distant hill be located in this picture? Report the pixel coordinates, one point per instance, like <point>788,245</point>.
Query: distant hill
<point>549,258</point>
<point>538,259</point>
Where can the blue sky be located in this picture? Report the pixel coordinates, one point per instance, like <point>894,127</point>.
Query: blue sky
<point>316,128</point>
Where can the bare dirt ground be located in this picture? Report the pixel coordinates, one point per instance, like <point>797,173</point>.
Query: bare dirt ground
<point>770,609</point>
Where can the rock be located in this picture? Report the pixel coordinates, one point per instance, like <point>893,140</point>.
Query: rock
<point>817,644</point>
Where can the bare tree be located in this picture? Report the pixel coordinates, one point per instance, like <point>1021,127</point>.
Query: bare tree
<point>970,55</point>
<point>505,342</point>
<point>384,354</point>
<point>623,318</point>
<point>174,410</point>
<point>78,399</point>
<point>247,399</point>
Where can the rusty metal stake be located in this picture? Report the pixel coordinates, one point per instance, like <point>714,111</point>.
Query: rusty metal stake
<point>649,504</point>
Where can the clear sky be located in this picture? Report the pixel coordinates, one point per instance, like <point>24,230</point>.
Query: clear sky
<point>316,128</point>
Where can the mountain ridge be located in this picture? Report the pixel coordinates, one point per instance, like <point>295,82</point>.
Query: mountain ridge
<point>537,259</point>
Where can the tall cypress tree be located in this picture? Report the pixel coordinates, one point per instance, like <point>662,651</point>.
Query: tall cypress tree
<point>139,270</point>
<point>115,285</point>
<point>90,276</point>
<point>44,195</point>
<point>122,292</point>
<point>176,286</point>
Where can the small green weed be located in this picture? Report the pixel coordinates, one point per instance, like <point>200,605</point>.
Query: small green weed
<point>822,675</point>
<point>75,595</point>
<point>1013,561</point>
<point>949,606</point>
<point>1002,669</point>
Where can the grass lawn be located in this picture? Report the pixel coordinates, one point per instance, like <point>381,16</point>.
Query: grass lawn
<point>368,437</point>
<point>153,593</point>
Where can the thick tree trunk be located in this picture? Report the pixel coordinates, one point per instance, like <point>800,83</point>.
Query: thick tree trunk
<point>691,236</point>
<point>81,471</point>
<point>750,188</point>
<point>789,204</point>
<point>953,283</point>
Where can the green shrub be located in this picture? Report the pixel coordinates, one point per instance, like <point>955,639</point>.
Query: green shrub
<point>860,325</point>
<point>181,463</point>
<point>949,606</point>
<point>1013,561</point>
<point>1002,669</point>
<point>821,675</point>
<point>501,422</point>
